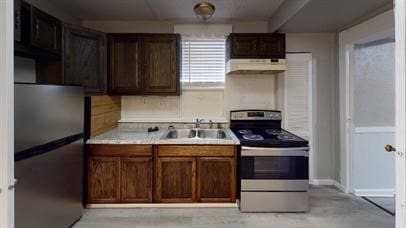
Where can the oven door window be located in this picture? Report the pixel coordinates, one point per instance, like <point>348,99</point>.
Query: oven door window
<point>274,167</point>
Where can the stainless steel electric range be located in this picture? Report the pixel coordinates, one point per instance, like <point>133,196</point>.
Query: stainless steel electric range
<point>273,163</point>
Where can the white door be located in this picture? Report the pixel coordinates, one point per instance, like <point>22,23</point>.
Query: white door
<point>400,23</point>
<point>6,115</point>
<point>373,126</point>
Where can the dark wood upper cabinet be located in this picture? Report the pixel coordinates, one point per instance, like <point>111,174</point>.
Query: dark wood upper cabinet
<point>85,59</point>
<point>124,64</point>
<point>17,20</point>
<point>272,46</point>
<point>37,34</point>
<point>45,31</point>
<point>255,45</point>
<point>144,64</point>
<point>243,45</point>
<point>161,63</point>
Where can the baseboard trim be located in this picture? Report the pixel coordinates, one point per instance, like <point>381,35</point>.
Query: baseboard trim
<point>328,182</point>
<point>163,205</point>
<point>375,192</point>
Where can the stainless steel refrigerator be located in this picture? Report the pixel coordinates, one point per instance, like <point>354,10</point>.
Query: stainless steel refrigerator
<point>49,155</point>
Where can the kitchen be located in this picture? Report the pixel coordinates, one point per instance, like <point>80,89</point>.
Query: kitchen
<point>145,109</point>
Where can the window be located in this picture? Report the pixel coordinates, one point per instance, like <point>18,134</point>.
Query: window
<point>203,63</point>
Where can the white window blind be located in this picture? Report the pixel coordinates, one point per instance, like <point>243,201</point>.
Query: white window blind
<point>203,62</point>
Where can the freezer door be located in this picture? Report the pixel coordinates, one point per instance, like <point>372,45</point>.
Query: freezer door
<point>44,113</point>
<point>49,188</point>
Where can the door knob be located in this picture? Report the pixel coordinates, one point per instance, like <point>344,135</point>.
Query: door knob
<point>389,148</point>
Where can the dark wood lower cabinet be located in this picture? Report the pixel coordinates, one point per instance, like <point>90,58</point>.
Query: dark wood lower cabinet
<point>174,174</point>
<point>120,174</point>
<point>216,179</point>
<point>136,180</point>
<point>175,180</point>
<point>195,174</point>
<point>103,181</point>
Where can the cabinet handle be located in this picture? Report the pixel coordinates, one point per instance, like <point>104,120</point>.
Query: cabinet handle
<point>55,42</point>
<point>17,22</point>
<point>37,29</point>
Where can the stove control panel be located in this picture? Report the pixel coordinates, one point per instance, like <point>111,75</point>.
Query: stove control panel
<point>256,115</point>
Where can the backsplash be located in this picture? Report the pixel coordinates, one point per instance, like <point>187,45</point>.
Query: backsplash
<point>241,92</point>
<point>250,92</point>
<point>143,126</point>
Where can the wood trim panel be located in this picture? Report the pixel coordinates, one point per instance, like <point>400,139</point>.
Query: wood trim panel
<point>196,151</point>
<point>120,150</point>
<point>105,112</point>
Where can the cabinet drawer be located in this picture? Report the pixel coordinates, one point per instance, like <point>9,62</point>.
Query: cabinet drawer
<point>108,150</point>
<point>196,151</point>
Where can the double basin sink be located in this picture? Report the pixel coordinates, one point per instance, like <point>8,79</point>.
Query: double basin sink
<point>196,134</point>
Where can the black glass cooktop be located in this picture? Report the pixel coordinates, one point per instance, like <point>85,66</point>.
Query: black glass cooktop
<point>268,138</point>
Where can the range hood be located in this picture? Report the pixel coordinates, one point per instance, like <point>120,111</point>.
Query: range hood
<point>255,66</point>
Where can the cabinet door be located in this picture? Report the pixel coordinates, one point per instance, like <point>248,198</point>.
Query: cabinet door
<point>272,46</point>
<point>136,180</point>
<point>216,179</point>
<point>103,180</point>
<point>124,64</point>
<point>17,20</point>
<point>175,180</point>
<point>161,63</point>
<point>84,58</point>
<point>45,31</point>
<point>244,46</point>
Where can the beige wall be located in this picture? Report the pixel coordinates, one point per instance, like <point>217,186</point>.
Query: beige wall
<point>323,46</point>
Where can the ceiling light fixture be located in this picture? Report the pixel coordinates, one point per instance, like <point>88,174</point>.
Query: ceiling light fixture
<point>204,10</point>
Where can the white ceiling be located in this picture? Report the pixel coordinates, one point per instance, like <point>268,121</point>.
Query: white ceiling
<point>174,10</point>
<point>333,15</point>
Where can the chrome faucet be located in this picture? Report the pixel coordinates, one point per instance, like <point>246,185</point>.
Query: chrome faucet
<point>198,122</point>
<point>211,124</point>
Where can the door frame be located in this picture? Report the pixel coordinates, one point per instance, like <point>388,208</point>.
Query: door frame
<point>6,113</point>
<point>379,27</point>
<point>400,24</point>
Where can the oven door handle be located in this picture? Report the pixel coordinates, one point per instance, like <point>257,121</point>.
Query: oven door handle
<point>270,152</point>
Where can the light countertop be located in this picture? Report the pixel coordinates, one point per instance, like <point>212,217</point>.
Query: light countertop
<point>141,136</point>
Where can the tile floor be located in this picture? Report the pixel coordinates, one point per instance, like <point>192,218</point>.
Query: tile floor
<point>330,208</point>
